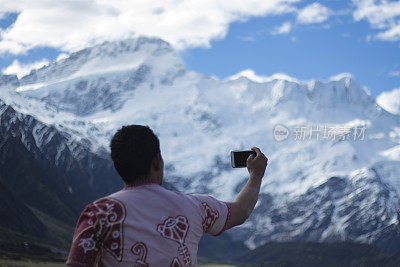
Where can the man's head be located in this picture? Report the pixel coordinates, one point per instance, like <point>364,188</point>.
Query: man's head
<point>135,150</point>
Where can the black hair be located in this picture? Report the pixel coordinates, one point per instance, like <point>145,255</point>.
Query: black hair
<point>133,148</point>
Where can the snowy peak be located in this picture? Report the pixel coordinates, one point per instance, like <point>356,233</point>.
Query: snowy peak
<point>104,76</point>
<point>104,58</point>
<point>342,89</point>
<point>281,89</point>
<point>113,49</point>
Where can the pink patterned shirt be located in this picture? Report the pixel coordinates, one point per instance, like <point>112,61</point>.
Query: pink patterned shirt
<point>146,225</point>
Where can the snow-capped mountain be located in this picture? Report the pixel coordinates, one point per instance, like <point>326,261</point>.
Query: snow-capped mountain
<point>339,186</point>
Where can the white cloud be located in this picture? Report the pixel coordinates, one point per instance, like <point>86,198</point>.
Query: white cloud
<point>382,15</point>
<point>340,76</point>
<point>285,28</point>
<point>251,75</point>
<point>390,101</point>
<point>392,34</point>
<point>71,25</point>
<point>22,69</point>
<point>379,14</point>
<point>313,13</point>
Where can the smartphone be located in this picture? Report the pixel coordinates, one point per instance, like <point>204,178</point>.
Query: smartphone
<point>239,158</point>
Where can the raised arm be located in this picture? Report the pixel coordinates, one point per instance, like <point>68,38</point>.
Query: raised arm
<point>245,201</point>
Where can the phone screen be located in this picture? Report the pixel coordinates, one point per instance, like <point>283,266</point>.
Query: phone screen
<point>239,158</point>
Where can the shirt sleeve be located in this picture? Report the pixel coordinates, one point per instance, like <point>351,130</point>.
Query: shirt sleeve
<point>99,228</point>
<point>215,214</point>
<point>85,248</point>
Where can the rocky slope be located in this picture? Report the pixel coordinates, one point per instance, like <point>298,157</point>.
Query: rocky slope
<point>44,175</point>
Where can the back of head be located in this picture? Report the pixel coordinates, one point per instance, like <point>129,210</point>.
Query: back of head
<point>133,148</point>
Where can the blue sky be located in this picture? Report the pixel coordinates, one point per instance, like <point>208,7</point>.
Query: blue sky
<point>308,51</point>
<point>360,37</point>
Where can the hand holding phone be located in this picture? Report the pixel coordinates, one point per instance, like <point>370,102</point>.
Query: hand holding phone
<point>257,165</point>
<point>254,160</point>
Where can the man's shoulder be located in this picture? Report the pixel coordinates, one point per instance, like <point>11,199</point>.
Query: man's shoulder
<point>105,203</point>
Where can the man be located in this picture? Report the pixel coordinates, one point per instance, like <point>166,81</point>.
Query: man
<point>145,224</point>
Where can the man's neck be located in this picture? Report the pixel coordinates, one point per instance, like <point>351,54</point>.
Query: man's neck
<point>152,180</point>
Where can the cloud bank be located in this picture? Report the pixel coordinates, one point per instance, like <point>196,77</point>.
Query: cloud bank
<point>72,25</point>
<point>382,14</point>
